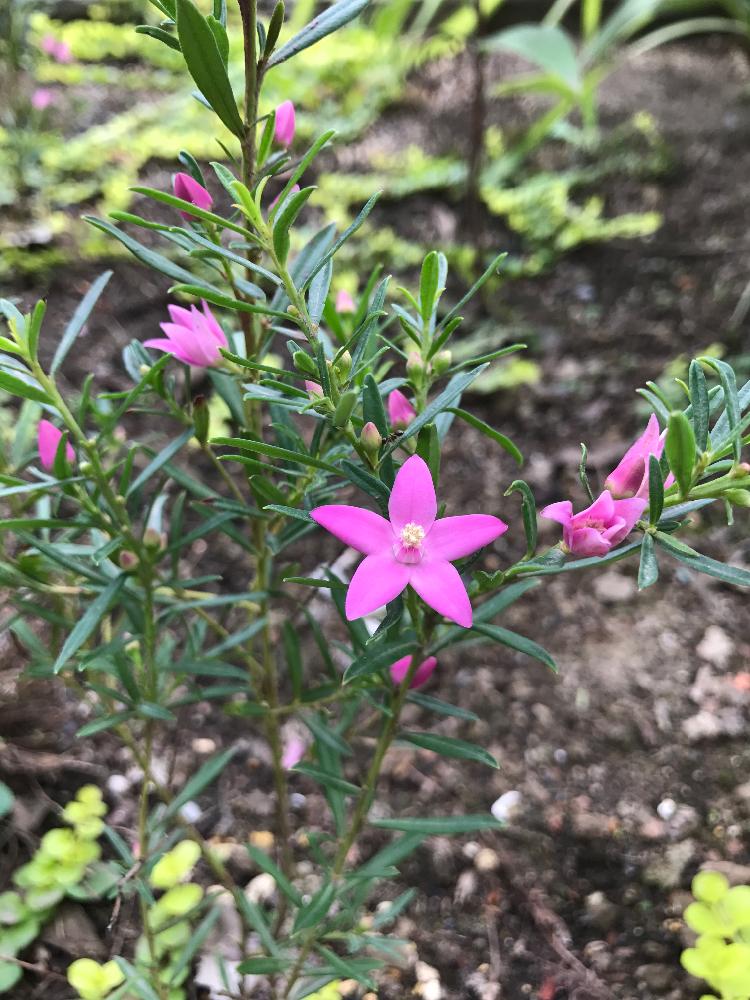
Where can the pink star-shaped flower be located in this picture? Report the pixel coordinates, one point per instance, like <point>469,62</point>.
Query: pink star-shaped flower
<point>411,549</point>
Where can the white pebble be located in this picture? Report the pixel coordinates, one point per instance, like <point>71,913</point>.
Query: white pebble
<point>506,806</point>
<point>191,812</point>
<point>666,809</point>
<point>117,784</point>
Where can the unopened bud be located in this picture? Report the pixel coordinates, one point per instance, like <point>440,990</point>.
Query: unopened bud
<point>743,469</point>
<point>154,539</point>
<point>370,438</point>
<point>304,363</point>
<point>740,498</point>
<point>201,418</point>
<point>127,560</point>
<point>313,389</point>
<point>414,365</point>
<point>84,468</point>
<point>292,310</point>
<point>144,369</point>
<point>343,365</point>
<point>441,362</point>
<point>345,408</point>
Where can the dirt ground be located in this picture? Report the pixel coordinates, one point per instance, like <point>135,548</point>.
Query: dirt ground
<point>632,764</point>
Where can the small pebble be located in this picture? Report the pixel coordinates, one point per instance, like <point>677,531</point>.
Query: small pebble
<point>506,807</point>
<point>204,745</point>
<point>117,784</point>
<point>666,809</point>
<point>191,812</point>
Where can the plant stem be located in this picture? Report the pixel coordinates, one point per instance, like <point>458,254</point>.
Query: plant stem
<point>363,803</point>
<point>249,12</point>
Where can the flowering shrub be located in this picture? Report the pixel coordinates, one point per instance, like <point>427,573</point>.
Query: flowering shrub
<point>327,399</point>
<point>720,916</point>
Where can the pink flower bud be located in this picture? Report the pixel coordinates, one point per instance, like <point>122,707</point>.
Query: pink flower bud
<point>187,188</point>
<point>400,411</point>
<point>422,674</point>
<point>630,478</point>
<point>48,440</point>
<point>313,389</point>
<point>193,337</point>
<point>599,528</point>
<point>370,437</point>
<point>42,98</point>
<point>294,750</point>
<point>344,302</point>
<point>285,124</point>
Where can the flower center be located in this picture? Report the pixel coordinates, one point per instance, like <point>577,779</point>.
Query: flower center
<point>412,535</point>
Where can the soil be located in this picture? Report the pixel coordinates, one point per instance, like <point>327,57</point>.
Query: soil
<point>632,763</point>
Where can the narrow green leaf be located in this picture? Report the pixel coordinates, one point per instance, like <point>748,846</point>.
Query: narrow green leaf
<point>376,658</point>
<point>349,231</point>
<point>79,317</point>
<point>260,447</point>
<point>449,746</point>
<point>160,460</point>
<point>518,642</point>
<point>23,388</point>
<point>316,910</point>
<point>680,450</point>
<point>203,777</point>
<point>732,406</point>
<point>266,864</point>
<point>431,704</point>
<point>327,779</point>
<point>263,966</point>
<point>85,626</point>
<point>648,571</point>
<point>655,490</point>
<point>699,403</point>
<point>528,513</point>
<point>205,64</point>
<point>490,432</point>
<point>439,825</point>
<point>6,799</point>
<point>335,17</point>
<point>703,564</point>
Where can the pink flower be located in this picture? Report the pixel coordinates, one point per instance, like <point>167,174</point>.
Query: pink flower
<point>294,750</point>
<point>42,98</point>
<point>344,302</point>
<point>187,188</point>
<point>48,440</point>
<point>422,674</point>
<point>285,124</point>
<point>600,527</point>
<point>400,411</point>
<point>294,189</point>
<point>630,478</point>
<point>411,548</point>
<point>313,389</point>
<point>193,336</point>
<point>59,51</point>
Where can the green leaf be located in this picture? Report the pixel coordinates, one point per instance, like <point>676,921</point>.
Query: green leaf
<point>159,34</point>
<point>648,571</point>
<point>546,46</point>
<point>428,449</point>
<point>449,746</point>
<point>316,910</point>
<point>327,779</point>
<point>703,564</point>
<point>86,625</point>
<point>655,489</point>
<point>205,65</point>
<point>260,447</point>
<point>528,513</point>
<point>291,209</point>
<point>490,432</point>
<point>10,973</point>
<point>23,388</point>
<point>335,17</point>
<point>266,864</point>
<point>515,641</point>
<point>490,272</point>
<point>428,286</point>
<point>79,317</point>
<point>160,460</point>
<point>732,408</point>
<point>326,735</point>
<point>699,403</point>
<point>349,231</point>
<point>447,397</point>
<point>680,450</point>
<point>377,657</point>
<point>439,825</point>
<point>431,704</point>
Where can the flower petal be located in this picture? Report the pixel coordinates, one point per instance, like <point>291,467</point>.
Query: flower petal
<point>438,584</point>
<point>562,511</point>
<point>454,537</point>
<point>413,496</point>
<point>363,529</point>
<point>378,580</point>
<point>422,674</point>
<point>169,347</point>
<point>586,542</point>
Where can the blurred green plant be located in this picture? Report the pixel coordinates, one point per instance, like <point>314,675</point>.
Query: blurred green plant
<point>67,863</point>
<point>720,916</point>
